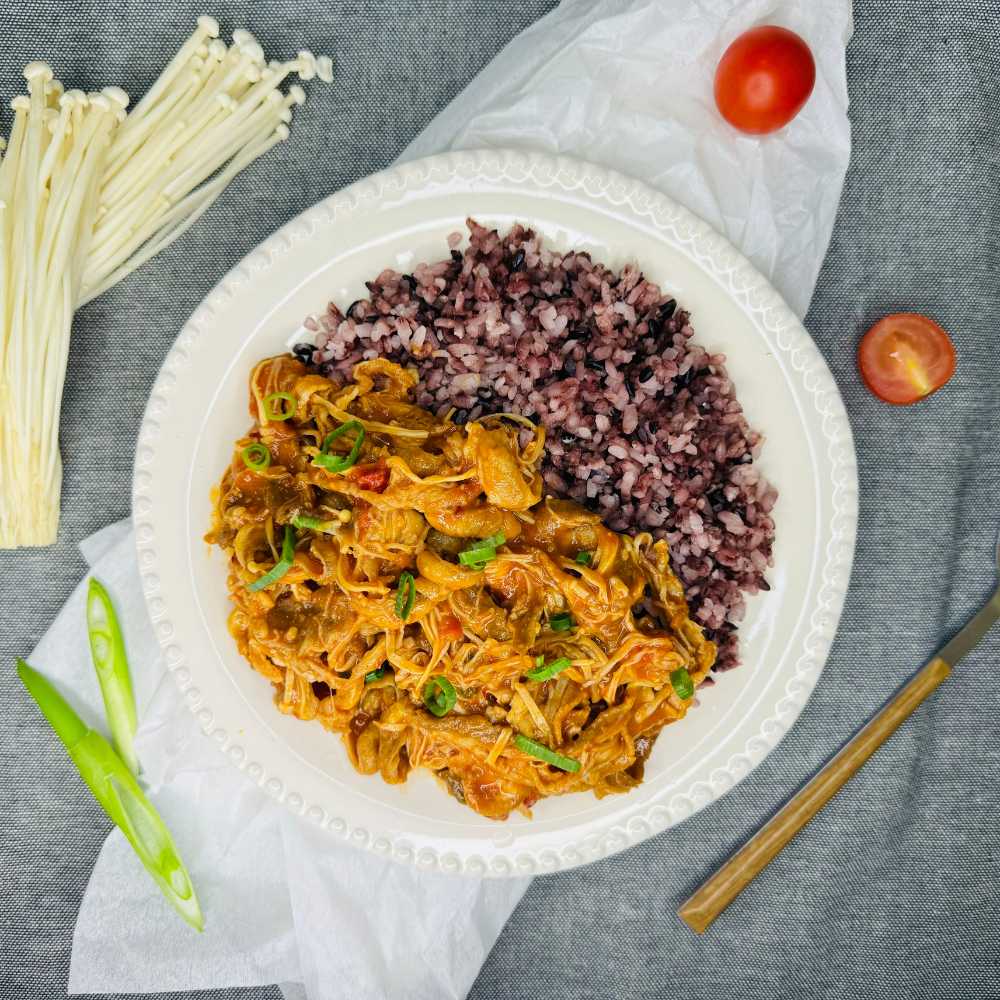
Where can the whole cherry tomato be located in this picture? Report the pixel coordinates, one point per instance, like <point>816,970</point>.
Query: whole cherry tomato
<point>763,79</point>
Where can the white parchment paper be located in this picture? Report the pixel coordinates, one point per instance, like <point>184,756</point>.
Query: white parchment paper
<point>626,83</point>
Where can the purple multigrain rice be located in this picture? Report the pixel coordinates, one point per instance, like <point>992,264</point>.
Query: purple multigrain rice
<point>643,425</point>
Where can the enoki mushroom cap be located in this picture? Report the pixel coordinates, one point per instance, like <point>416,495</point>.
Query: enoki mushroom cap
<point>306,65</point>
<point>116,95</point>
<point>209,25</point>
<point>217,50</point>
<point>324,69</point>
<point>38,69</point>
<point>101,102</point>
<point>249,46</point>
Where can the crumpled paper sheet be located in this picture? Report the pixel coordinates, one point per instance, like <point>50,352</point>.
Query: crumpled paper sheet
<point>626,83</point>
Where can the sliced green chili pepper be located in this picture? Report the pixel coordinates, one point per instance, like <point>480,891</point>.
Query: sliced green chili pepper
<point>440,696</point>
<point>272,414</point>
<point>406,594</point>
<point>256,457</point>
<point>107,651</point>
<point>583,558</point>
<point>543,673</point>
<point>119,794</point>
<point>544,753</point>
<point>282,566</point>
<point>340,463</point>
<point>682,682</point>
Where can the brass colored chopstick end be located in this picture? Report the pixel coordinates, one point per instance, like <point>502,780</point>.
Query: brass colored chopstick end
<point>693,914</point>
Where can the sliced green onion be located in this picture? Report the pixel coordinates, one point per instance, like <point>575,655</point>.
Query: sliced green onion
<point>256,457</point>
<point>543,673</point>
<point>406,594</point>
<point>478,555</point>
<point>376,675</point>
<point>282,566</point>
<point>314,523</point>
<point>340,463</point>
<point>539,660</point>
<point>273,414</point>
<point>440,696</point>
<point>107,651</point>
<point>583,558</point>
<point>561,623</point>
<point>542,752</point>
<point>682,682</point>
<point>115,788</point>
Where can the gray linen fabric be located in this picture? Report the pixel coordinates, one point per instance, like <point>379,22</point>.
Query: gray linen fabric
<point>895,889</point>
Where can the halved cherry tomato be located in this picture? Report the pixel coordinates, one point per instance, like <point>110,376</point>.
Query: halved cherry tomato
<point>905,357</point>
<point>763,79</point>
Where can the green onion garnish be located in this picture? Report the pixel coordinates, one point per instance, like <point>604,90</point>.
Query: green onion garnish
<point>478,555</point>
<point>282,566</point>
<point>256,457</point>
<point>115,788</point>
<point>314,523</point>
<point>283,412</point>
<point>107,651</point>
<point>583,558</point>
<point>544,753</point>
<point>543,673</point>
<point>561,623</point>
<point>406,594</point>
<point>340,463</point>
<point>439,696</point>
<point>682,682</point>
<point>375,675</point>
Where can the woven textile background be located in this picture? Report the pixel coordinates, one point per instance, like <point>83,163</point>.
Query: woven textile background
<point>895,889</point>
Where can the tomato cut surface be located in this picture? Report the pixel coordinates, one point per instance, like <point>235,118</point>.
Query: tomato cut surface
<point>763,79</point>
<point>905,357</point>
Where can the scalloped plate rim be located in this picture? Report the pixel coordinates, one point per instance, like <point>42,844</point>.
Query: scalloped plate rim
<point>716,255</point>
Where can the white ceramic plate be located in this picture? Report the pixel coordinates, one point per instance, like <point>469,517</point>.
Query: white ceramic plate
<point>396,219</point>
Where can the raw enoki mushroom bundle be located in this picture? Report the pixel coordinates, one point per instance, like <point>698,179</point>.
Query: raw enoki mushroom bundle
<point>88,193</point>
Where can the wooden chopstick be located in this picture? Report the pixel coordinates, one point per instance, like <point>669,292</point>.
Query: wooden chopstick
<point>717,892</point>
